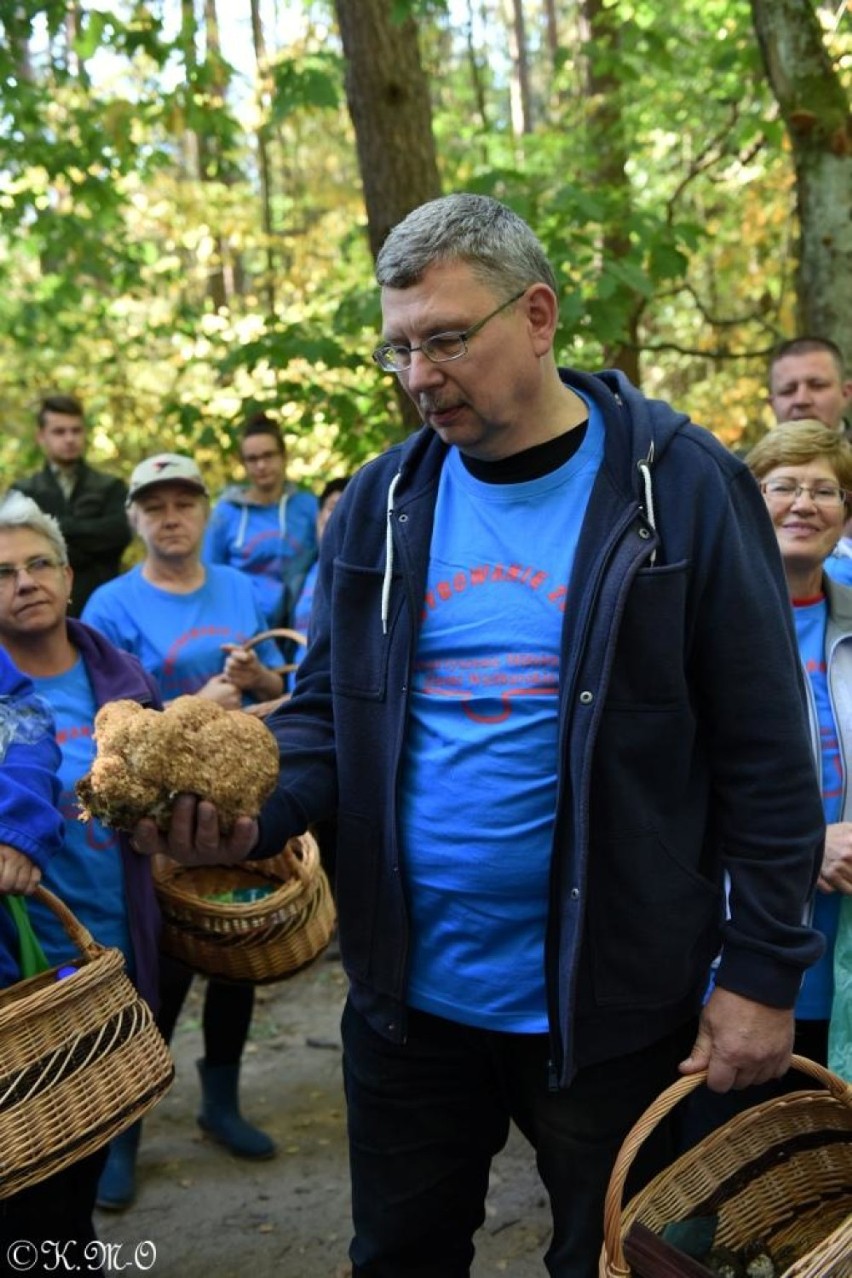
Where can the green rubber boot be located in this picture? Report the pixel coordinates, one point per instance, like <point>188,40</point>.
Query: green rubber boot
<point>220,1115</point>
<point>117,1185</point>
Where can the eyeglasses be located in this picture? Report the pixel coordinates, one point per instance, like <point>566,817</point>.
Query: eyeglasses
<point>827,496</point>
<point>254,460</point>
<point>440,349</point>
<point>38,567</point>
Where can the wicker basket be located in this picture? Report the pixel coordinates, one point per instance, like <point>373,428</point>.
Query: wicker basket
<point>779,1174</point>
<point>260,941</point>
<point>80,1060</point>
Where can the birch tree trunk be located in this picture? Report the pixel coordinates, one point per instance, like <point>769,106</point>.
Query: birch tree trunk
<point>815,109</point>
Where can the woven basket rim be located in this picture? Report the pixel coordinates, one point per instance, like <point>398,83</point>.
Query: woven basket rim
<point>174,883</point>
<point>264,950</point>
<point>834,1091</point>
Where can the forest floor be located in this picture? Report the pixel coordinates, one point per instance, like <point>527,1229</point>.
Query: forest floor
<point>201,1213</point>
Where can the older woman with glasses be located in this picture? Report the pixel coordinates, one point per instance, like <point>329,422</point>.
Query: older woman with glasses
<point>804,470</point>
<point>805,474</point>
<point>74,670</point>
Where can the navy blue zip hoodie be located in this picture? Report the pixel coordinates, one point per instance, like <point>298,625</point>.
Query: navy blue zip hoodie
<point>683,745</point>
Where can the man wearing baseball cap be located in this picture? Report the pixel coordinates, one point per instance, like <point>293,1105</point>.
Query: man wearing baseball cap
<point>187,623</point>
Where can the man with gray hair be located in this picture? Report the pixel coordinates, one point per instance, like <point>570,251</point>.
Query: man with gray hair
<point>551,696</point>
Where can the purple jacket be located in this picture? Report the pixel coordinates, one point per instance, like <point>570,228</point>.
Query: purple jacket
<point>117,675</point>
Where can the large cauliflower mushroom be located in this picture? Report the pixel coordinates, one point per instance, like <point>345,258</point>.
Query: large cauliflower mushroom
<point>147,757</point>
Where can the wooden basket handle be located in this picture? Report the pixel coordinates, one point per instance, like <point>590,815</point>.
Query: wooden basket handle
<point>79,935</point>
<point>652,1116</point>
<point>282,632</point>
<point>287,667</point>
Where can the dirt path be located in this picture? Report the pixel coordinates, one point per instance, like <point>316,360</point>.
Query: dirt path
<point>205,1214</point>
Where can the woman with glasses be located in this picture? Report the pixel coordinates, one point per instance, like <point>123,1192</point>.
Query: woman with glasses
<point>96,872</point>
<point>805,473</point>
<point>264,528</point>
<point>804,469</point>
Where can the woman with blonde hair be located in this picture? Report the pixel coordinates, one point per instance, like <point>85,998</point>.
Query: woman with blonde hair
<point>805,474</point>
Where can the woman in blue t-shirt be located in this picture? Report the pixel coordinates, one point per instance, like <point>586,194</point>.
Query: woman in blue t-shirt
<point>804,469</point>
<point>805,473</point>
<point>188,622</point>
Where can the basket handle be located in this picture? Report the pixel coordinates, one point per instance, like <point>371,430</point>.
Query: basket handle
<point>281,632</point>
<point>652,1116</point>
<point>77,933</point>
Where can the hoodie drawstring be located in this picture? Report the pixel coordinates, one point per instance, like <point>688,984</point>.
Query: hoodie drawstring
<point>645,471</point>
<point>388,577</point>
<point>244,515</point>
<point>241,530</point>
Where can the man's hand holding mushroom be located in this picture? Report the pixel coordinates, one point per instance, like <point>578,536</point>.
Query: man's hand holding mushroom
<point>194,836</point>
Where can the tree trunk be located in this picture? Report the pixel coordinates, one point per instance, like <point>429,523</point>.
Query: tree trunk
<point>263,167</point>
<point>73,18</point>
<point>608,147</point>
<point>815,109</point>
<point>521,98</point>
<point>475,74</point>
<point>219,276</point>
<point>388,98</point>
<point>18,27</point>
<point>552,31</point>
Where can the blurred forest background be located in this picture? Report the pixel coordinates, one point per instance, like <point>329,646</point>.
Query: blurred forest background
<point>191,193</point>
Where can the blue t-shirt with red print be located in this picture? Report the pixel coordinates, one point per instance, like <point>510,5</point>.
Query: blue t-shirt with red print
<point>178,637</point>
<point>811,617</point>
<point>87,874</point>
<point>482,741</point>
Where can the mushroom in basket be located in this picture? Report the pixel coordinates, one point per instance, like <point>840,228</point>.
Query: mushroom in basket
<point>145,758</point>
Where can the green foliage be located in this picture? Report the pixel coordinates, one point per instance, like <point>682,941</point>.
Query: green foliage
<point>139,268</point>
<point>307,81</point>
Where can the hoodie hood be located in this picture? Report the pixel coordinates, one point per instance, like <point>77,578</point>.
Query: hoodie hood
<point>238,495</point>
<point>638,433</point>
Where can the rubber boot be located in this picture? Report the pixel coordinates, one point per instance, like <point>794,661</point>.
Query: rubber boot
<point>220,1115</point>
<point>117,1185</point>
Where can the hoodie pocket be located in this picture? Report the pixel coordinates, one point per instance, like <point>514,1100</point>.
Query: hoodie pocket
<point>649,670</point>
<point>360,650</point>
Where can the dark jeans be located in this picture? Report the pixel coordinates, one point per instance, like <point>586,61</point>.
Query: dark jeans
<point>227,1012</point>
<point>426,1118</point>
<point>48,1229</point>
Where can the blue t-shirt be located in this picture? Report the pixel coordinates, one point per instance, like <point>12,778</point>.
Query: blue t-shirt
<point>304,606</point>
<point>178,637</point>
<point>479,777</point>
<point>87,874</point>
<point>259,541</point>
<point>302,613</point>
<point>815,999</point>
